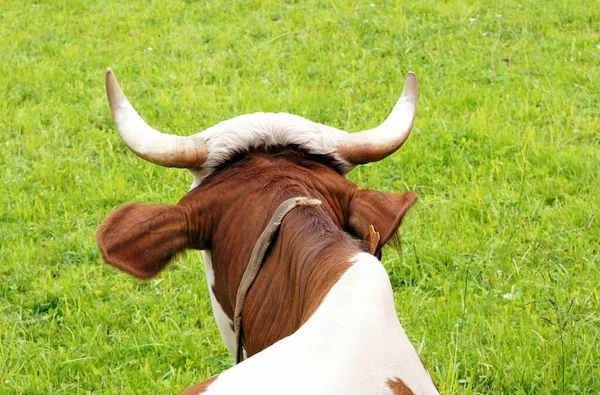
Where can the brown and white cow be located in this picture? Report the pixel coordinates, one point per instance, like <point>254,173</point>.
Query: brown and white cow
<point>320,317</point>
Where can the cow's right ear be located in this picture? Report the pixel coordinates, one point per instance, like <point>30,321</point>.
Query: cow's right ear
<point>141,239</point>
<point>383,210</point>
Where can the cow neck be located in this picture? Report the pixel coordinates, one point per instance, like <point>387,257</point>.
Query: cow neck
<point>256,259</point>
<point>308,257</point>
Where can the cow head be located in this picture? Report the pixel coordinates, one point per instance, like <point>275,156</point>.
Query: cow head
<point>243,169</point>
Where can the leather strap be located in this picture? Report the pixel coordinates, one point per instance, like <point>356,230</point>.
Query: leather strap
<point>256,260</point>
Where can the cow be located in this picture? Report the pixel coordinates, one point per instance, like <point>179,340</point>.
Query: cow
<point>319,317</point>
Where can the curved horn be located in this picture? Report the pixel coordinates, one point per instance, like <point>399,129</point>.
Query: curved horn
<point>146,142</point>
<point>375,144</point>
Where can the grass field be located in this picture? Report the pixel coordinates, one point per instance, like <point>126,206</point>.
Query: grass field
<point>497,280</point>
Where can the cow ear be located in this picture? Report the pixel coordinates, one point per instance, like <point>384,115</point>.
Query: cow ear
<point>141,239</point>
<point>383,210</point>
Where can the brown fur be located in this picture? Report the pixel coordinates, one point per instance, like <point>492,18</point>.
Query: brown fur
<point>142,238</point>
<point>228,212</point>
<point>398,387</point>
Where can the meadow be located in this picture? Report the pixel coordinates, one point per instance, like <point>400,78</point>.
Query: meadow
<point>497,277</point>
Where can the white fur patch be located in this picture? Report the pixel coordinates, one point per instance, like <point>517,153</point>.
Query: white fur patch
<point>265,130</point>
<point>352,344</point>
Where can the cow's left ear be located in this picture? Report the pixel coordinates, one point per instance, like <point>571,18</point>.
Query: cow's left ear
<point>141,239</point>
<point>383,210</point>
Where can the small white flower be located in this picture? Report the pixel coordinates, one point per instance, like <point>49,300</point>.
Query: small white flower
<point>372,5</point>
<point>472,20</point>
<point>149,48</point>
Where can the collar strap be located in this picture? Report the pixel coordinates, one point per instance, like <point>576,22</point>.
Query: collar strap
<point>256,260</point>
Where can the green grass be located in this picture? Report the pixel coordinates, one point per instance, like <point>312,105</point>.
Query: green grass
<point>497,281</point>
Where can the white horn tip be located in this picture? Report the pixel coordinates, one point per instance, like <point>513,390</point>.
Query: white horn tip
<point>113,91</point>
<point>411,87</point>
<point>110,75</point>
<point>111,79</point>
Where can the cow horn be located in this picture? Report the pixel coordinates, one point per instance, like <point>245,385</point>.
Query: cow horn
<point>146,142</point>
<point>375,144</point>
